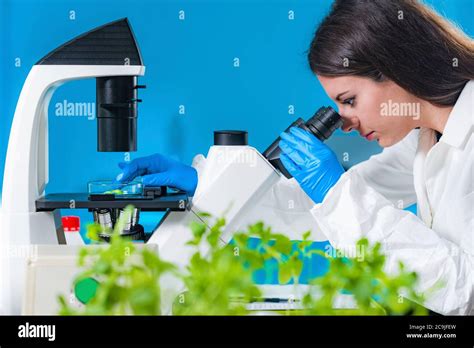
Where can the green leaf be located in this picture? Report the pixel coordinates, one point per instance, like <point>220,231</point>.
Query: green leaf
<point>241,239</point>
<point>198,229</point>
<point>256,229</point>
<point>296,266</point>
<point>204,215</point>
<point>284,272</point>
<point>306,235</point>
<point>282,244</point>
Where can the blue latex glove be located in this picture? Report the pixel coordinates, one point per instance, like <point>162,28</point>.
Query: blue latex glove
<point>312,163</point>
<point>160,170</point>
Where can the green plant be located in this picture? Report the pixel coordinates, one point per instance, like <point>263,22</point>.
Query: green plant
<point>363,276</point>
<point>218,279</point>
<point>375,292</point>
<point>128,278</point>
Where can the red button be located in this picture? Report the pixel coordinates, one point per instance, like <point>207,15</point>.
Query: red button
<point>71,223</point>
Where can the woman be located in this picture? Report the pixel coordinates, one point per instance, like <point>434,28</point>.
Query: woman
<point>400,74</point>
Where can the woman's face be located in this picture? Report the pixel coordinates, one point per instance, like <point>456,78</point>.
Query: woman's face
<point>380,111</point>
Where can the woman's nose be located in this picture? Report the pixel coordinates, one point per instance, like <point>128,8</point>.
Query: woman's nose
<point>349,123</point>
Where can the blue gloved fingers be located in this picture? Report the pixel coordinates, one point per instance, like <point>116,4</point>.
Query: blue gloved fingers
<point>319,168</point>
<point>158,179</point>
<point>186,180</point>
<point>305,136</point>
<point>304,148</point>
<point>120,177</point>
<point>310,146</point>
<point>192,181</point>
<point>292,152</point>
<point>160,170</point>
<point>141,166</point>
<point>290,166</point>
<point>290,139</point>
<point>129,172</point>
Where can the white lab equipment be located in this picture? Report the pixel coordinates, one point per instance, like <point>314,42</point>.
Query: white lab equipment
<point>23,224</point>
<point>51,270</point>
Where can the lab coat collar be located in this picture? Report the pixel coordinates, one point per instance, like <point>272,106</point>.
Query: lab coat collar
<point>461,119</point>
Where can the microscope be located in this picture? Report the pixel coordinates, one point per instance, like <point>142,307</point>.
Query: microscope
<point>111,55</point>
<point>36,263</point>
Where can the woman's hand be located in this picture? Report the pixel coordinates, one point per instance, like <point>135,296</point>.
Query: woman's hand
<point>312,163</point>
<point>160,170</point>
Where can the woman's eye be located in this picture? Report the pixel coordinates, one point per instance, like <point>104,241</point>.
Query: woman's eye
<point>349,101</point>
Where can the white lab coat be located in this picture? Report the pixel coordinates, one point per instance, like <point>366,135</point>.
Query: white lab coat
<point>368,201</point>
<point>438,244</point>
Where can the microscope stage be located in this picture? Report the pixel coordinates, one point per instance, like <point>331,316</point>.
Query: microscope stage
<point>171,201</point>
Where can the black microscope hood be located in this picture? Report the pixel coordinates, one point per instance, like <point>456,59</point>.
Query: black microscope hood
<point>109,44</point>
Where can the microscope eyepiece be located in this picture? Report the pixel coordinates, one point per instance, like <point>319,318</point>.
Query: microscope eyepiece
<point>323,123</point>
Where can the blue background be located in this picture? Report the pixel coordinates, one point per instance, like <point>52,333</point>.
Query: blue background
<point>188,63</point>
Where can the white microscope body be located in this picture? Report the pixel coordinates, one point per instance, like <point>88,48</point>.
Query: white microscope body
<point>26,173</point>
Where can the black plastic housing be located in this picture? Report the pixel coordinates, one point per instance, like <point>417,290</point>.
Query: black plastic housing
<point>230,137</point>
<point>111,44</point>
<point>116,104</point>
<point>323,123</point>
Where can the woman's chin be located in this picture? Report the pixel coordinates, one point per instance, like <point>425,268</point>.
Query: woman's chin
<point>382,141</point>
<point>387,142</point>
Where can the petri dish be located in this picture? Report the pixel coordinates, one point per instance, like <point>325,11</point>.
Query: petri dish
<point>131,188</point>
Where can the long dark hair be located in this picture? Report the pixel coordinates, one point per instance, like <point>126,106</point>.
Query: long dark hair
<point>401,40</point>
